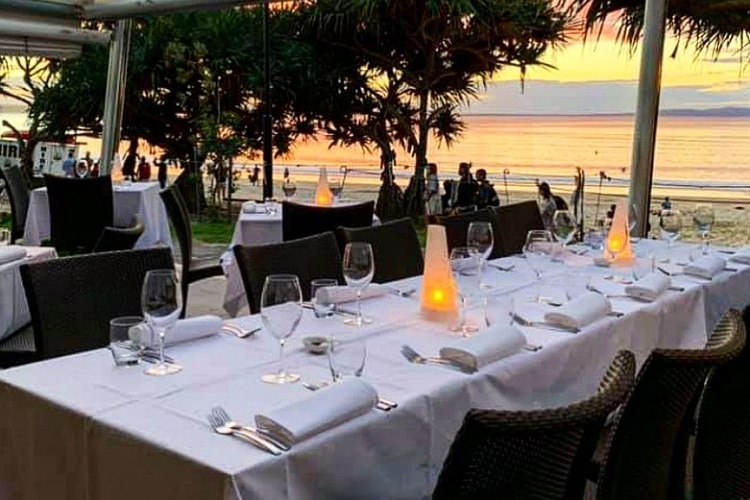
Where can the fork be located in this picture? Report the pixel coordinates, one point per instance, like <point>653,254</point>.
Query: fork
<point>221,413</point>
<point>414,357</point>
<point>238,331</point>
<point>544,324</point>
<point>220,428</point>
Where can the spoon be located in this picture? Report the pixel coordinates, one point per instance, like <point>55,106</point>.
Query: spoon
<point>403,293</point>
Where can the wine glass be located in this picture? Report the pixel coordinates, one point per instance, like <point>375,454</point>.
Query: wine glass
<point>359,268</point>
<point>538,251</point>
<point>281,312</point>
<point>289,188</point>
<point>703,218</point>
<point>346,358</point>
<point>465,262</point>
<point>670,222</point>
<point>82,169</point>
<point>565,225</point>
<point>161,306</point>
<point>479,235</point>
<point>323,306</point>
<point>632,220</point>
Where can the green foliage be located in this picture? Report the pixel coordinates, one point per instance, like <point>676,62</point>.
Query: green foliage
<point>213,231</point>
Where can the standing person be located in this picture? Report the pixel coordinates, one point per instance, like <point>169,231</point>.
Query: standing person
<point>162,172</point>
<point>466,192</point>
<point>433,202</point>
<point>486,194</point>
<point>69,165</point>
<point>89,161</point>
<point>144,170</point>
<point>128,167</point>
<point>547,205</point>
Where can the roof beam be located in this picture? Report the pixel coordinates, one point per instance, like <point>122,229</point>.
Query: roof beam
<point>39,8</point>
<point>27,30</point>
<point>122,9</point>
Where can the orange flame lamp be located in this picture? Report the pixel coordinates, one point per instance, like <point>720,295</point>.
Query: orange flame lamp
<point>439,289</point>
<point>323,194</point>
<point>618,249</point>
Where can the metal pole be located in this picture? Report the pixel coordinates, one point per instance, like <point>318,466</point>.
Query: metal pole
<point>114,100</point>
<point>647,112</point>
<point>267,119</point>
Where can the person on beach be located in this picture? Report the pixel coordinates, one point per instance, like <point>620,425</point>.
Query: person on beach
<point>433,202</point>
<point>467,188</point>
<point>666,204</point>
<point>486,194</point>
<point>162,172</point>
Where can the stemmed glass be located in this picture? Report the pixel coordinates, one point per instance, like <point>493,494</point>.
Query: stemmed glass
<point>161,306</point>
<point>703,218</point>
<point>565,225</point>
<point>289,188</point>
<point>632,220</point>
<point>465,266</point>
<point>281,311</point>
<point>479,235</point>
<point>538,250</point>
<point>670,222</point>
<point>82,169</point>
<point>359,268</point>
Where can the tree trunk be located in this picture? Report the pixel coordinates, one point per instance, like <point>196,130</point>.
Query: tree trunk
<point>414,197</point>
<point>390,202</point>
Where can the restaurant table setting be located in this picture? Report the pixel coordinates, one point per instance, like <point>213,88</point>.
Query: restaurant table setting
<point>374,413</point>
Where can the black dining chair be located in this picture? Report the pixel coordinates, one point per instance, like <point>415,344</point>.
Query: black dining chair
<point>644,455</point>
<point>308,258</point>
<point>72,299</point>
<point>457,226</point>
<point>300,220</point>
<point>540,454</point>
<point>79,209</point>
<point>513,222</point>
<point>395,245</point>
<point>192,269</point>
<point>18,195</point>
<point>113,239</point>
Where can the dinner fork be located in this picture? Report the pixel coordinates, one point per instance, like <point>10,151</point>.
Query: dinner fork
<point>544,325</point>
<point>414,357</point>
<point>219,427</point>
<point>220,413</point>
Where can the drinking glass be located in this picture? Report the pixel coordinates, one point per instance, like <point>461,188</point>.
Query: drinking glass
<point>346,358</point>
<point>289,189</point>
<point>323,306</point>
<point>281,311</point>
<point>161,304</point>
<point>479,235</point>
<point>271,207</point>
<point>359,268</point>
<point>670,222</point>
<point>465,265</point>
<point>82,169</point>
<point>632,220</point>
<point>123,350</point>
<point>538,251</point>
<point>703,218</point>
<point>565,225</point>
<point>4,237</point>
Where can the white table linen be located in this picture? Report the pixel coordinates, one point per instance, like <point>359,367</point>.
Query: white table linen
<point>479,350</point>
<point>706,267</point>
<point>140,198</point>
<point>650,287</point>
<point>184,330</point>
<point>580,311</point>
<point>122,435</point>
<point>14,310</point>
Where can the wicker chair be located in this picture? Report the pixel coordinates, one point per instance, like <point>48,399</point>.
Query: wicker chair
<point>72,299</point>
<point>79,209</point>
<point>532,454</point>
<point>644,452</point>
<point>398,253</point>
<point>309,258</point>
<point>721,459</point>
<point>192,269</point>
<point>513,222</point>
<point>300,221</point>
<point>456,227</point>
<point>18,195</point>
<point>113,239</point>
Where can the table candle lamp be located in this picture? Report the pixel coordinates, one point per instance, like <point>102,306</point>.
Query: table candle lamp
<point>323,194</point>
<point>618,248</point>
<point>438,286</point>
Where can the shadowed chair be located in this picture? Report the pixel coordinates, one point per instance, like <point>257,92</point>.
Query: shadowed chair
<point>79,211</point>
<point>395,244</point>
<point>513,222</point>
<point>113,239</point>
<point>299,220</point>
<point>532,454</point>
<point>72,299</point>
<point>18,195</point>
<point>308,258</point>
<point>721,460</point>
<point>192,269</point>
<point>644,452</point>
<point>456,227</point>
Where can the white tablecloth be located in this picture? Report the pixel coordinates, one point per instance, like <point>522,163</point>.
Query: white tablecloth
<point>120,434</point>
<point>14,310</point>
<point>141,198</point>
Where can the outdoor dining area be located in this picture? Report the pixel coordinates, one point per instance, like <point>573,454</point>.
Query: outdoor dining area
<point>492,361</point>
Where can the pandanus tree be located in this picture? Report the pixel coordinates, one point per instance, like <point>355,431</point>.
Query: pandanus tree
<point>423,59</point>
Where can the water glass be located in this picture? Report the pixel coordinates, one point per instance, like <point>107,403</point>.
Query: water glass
<point>323,305</point>
<point>271,207</point>
<point>703,218</point>
<point>465,262</point>
<point>161,303</point>
<point>643,266</point>
<point>670,222</point>
<point>565,225</point>
<point>123,350</point>
<point>480,236</point>
<point>632,220</point>
<point>281,312</point>
<point>359,268</point>
<point>4,237</point>
<point>346,357</point>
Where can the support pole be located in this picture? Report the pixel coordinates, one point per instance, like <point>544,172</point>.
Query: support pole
<point>267,119</point>
<point>114,100</point>
<point>647,112</point>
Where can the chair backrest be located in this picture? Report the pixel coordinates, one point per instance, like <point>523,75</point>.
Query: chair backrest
<point>513,222</point>
<point>395,244</point>
<point>299,220</point>
<point>178,213</point>
<point>721,461</point>
<point>309,258</point>
<point>79,209</point>
<point>456,227</point>
<point>18,195</point>
<point>72,299</point>
<point>532,454</point>
<point>644,456</point>
<point>113,239</point>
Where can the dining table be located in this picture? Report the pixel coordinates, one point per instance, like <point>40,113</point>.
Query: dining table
<point>129,199</point>
<point>78,427</point>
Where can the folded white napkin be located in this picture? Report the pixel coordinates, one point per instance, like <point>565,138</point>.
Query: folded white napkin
<point>341,294</point>
<point>650,287</point>
<point>742,256</point>
<point>319,411</point>
<point>706,267</point>
<point>484,348</point>
<point>11,253</point>
<point>579,312</point>
<point>183,330</point>
<point>249,207</point>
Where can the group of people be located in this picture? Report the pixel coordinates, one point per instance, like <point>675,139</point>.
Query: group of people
<point>84,167</point>
<point>466,192</point>
<point>134,168</point>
